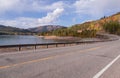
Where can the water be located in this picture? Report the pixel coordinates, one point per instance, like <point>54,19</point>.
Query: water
<point>17,39</point>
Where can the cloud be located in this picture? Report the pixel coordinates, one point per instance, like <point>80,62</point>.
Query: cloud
<point>21,22</point>
<point>21,6</point>
<point>6,5</point>
<point>26,22</point>
<point>96,8</point>
<point>51,17</point>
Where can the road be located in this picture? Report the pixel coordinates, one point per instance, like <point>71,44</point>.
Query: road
<point>97,60</point>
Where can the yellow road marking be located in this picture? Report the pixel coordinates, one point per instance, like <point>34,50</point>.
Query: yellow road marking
<point>46,58</point>
<point>28,62</point>
<point>93,49</point>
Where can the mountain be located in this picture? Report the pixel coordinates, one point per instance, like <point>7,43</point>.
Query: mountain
<point>8,30</point>
<point>45,28</point>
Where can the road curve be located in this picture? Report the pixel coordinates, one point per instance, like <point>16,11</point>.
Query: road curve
<point>98,60</point>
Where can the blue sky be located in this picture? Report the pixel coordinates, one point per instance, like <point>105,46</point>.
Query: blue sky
<point>33,13</point>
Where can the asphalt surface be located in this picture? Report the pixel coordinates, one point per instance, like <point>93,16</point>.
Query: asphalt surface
<point>98,60</point>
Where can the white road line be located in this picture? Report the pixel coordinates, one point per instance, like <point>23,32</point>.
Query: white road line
<point>106,67</point>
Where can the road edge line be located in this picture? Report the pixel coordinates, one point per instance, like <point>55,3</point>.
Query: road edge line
<point>106,67</point>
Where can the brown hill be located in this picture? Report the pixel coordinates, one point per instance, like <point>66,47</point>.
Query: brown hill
<point>97,24</point>
<point>46,28</point>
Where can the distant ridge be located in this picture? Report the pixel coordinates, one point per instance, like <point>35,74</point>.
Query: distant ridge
<point>46,28</point>
<point>8,30</point>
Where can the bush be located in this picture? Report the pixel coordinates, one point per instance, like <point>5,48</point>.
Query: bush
<point>88,33</point>
<point>112,27</point>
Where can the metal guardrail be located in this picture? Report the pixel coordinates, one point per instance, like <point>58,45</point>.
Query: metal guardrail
<point>19,46</point>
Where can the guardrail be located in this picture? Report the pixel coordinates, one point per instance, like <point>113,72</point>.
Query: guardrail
<point>19,46</point>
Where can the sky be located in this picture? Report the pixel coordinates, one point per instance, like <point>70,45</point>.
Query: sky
<point>33,13</point>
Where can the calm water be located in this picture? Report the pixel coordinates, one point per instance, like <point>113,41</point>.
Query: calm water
<point>13,39</point>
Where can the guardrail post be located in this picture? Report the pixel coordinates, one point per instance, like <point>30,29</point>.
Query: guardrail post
<point>76,43</point>
<point>64,44</point>
<point>19,48</point>
<point>35,47</point>
<point>56,45</point>
<point>47,45</point>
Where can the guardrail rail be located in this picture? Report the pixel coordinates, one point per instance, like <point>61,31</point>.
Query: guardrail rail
<point>19,46</point>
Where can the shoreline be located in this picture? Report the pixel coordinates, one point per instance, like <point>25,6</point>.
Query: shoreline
<point>61,38</point>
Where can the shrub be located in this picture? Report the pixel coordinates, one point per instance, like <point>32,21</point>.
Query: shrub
<point>112,27</point>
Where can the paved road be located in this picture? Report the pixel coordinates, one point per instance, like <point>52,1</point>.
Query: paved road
<point>98,60</point>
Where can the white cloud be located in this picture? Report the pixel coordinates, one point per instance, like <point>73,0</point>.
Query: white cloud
<point>53,6</point>
<point>21,6</point>
<point>25,22</point>
<point>51,17</point>
<point>21,22</point>
<point>97,8</point>
<point>6,5</point>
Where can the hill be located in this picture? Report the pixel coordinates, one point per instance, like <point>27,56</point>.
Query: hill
<point>46,28</point>
<point>91,28</point>
<point>8,30</point>
<point>97,24</point>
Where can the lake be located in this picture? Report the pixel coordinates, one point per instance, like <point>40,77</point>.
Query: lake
<point>20,39</point>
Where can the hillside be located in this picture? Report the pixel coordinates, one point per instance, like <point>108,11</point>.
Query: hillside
<point>45,28</point>
<point>7,30</point>
<point>97,24</point>
<point>91,28</point>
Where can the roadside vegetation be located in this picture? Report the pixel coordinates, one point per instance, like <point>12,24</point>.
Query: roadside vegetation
<point>82,31</point>
<point>112,27</point>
